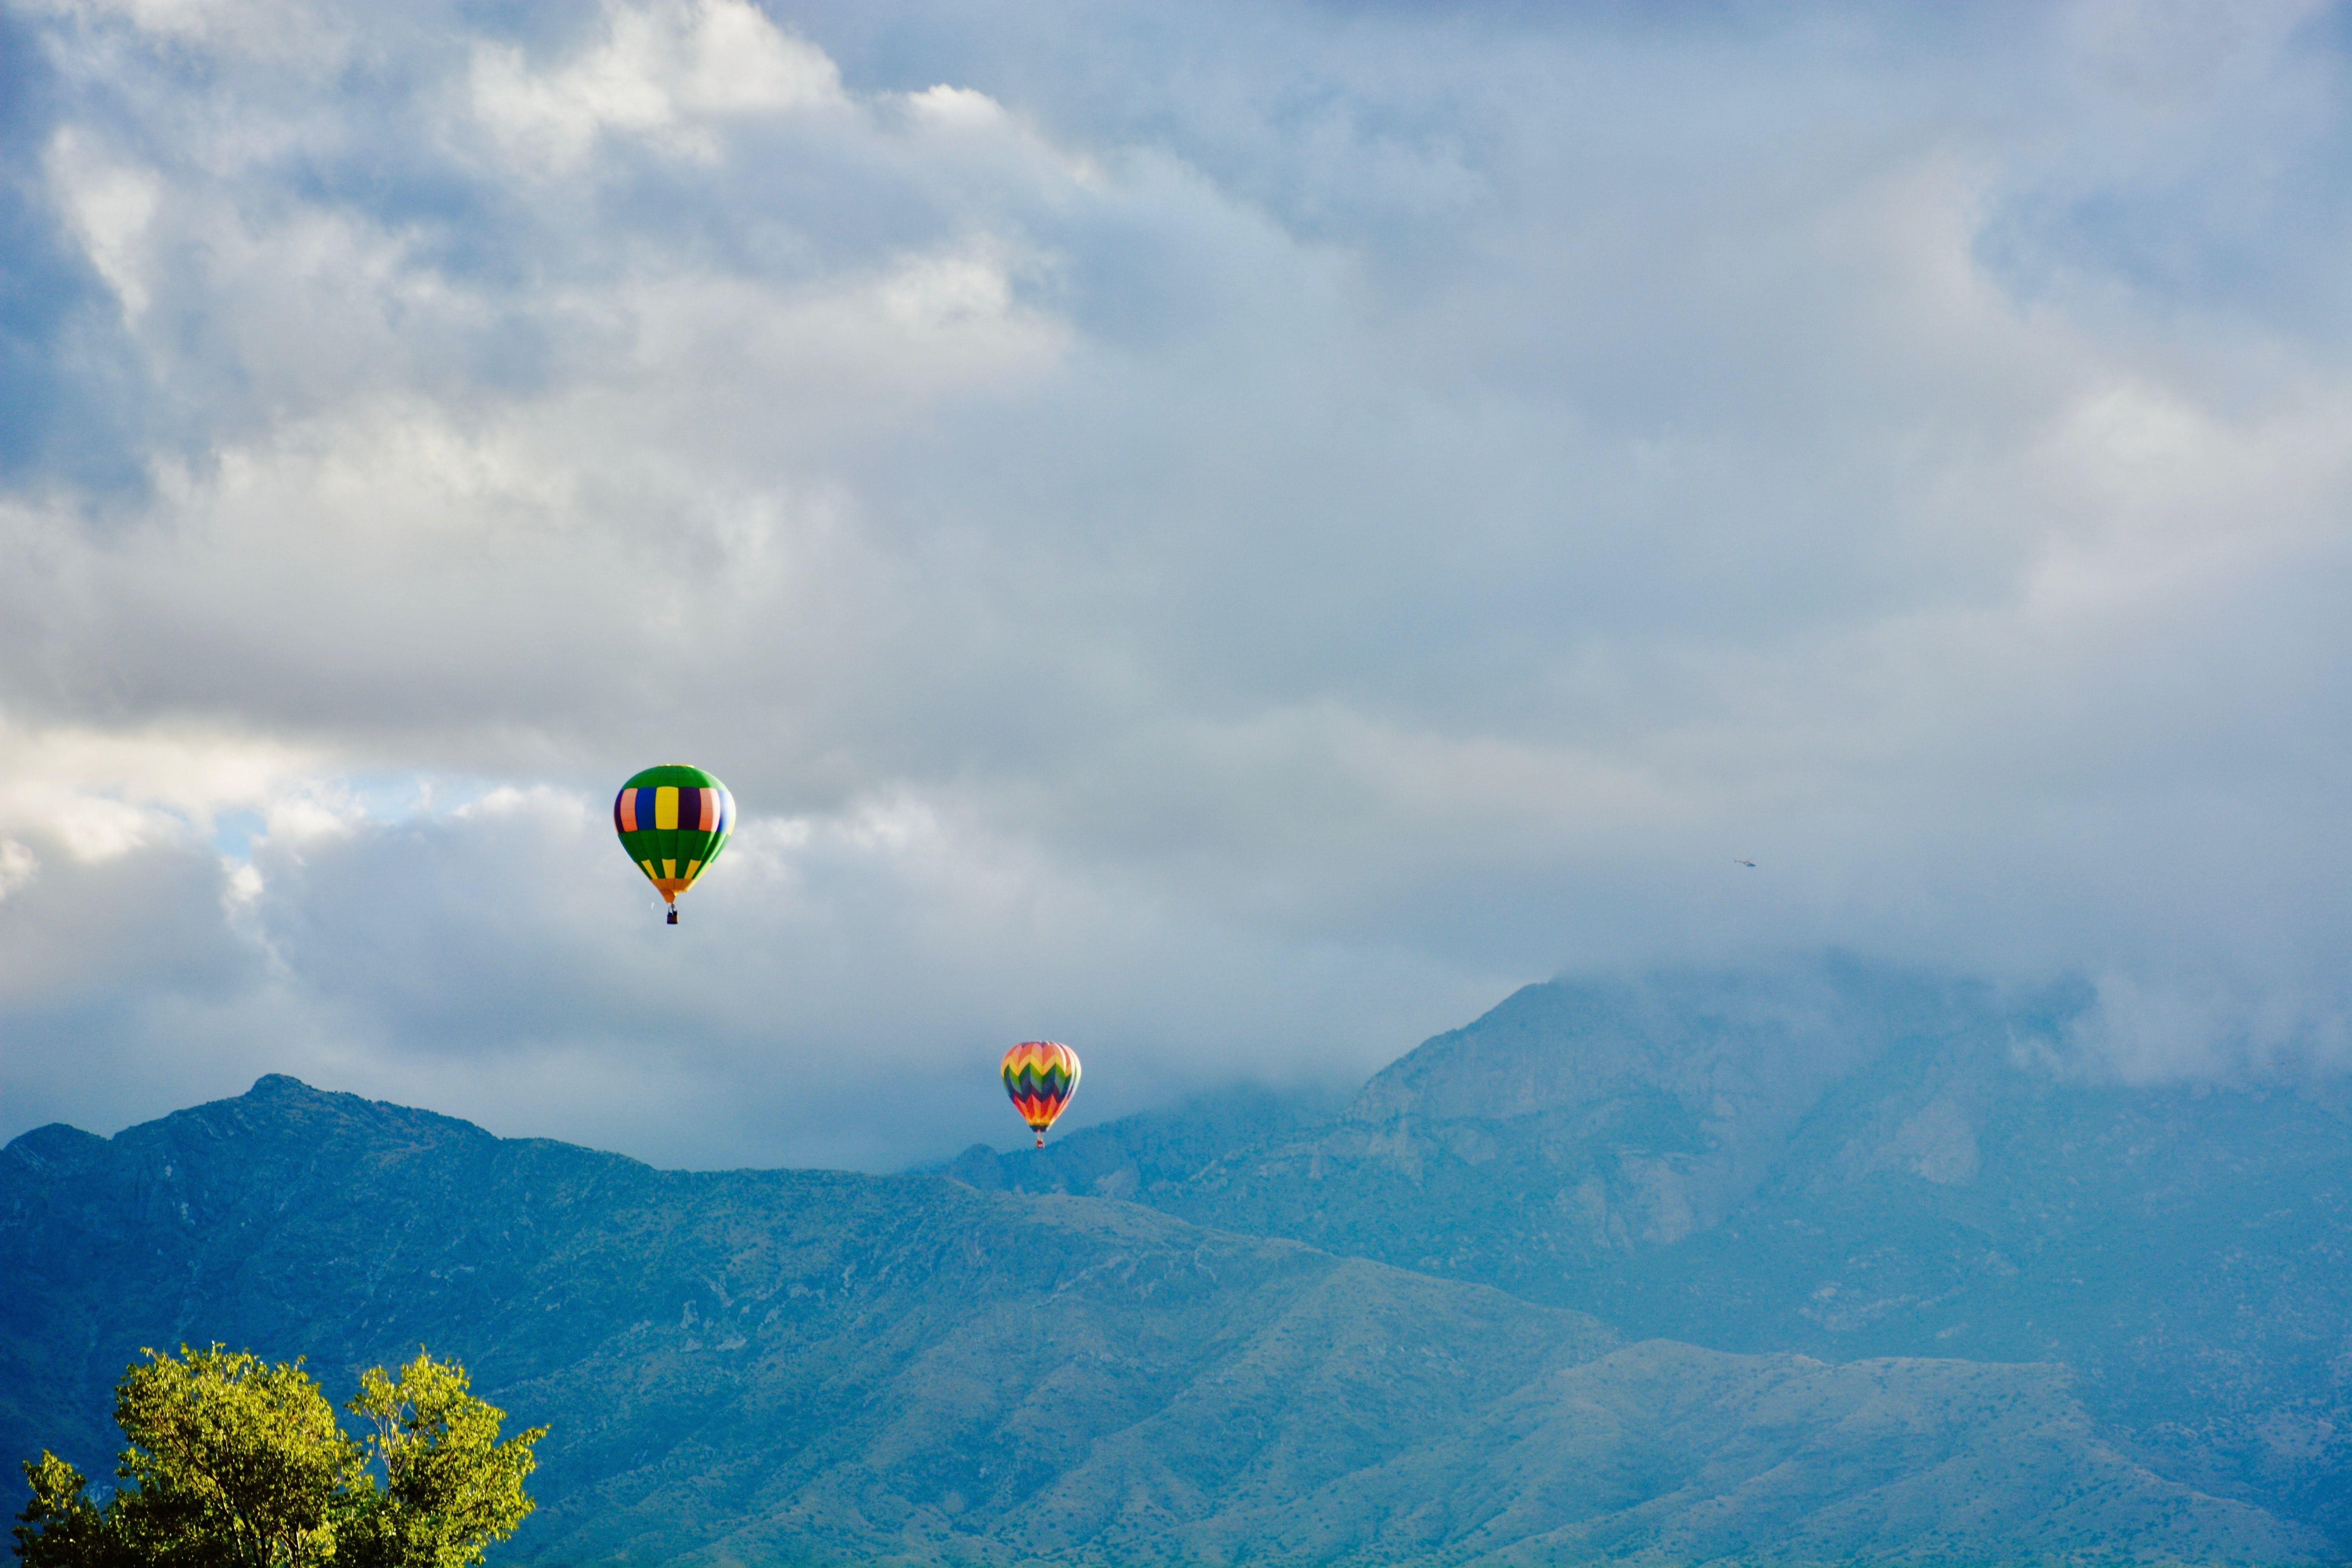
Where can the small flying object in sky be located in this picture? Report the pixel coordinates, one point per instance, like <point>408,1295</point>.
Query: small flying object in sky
<point>1737,861</point>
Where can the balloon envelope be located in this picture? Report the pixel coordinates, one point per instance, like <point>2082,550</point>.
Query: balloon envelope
<point>1039,1075</point>
<point>673,822</point>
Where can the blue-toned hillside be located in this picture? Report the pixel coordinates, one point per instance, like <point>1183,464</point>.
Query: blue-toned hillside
<point>1848,1163</point>
<point>795,1367</point>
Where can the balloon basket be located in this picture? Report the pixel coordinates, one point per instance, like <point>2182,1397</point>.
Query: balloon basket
<point>673,917</point>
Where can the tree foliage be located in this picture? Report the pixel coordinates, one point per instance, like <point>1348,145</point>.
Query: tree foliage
<point>237,1463</point>
<point>450,1487</point>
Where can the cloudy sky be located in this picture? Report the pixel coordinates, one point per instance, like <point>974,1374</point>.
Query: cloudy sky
<point>1233,535</point>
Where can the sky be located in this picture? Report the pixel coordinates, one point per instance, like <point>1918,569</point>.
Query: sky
<point>1233,535</point>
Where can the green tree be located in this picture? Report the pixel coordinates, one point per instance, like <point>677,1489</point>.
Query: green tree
<point>235,1463</point>
<point>61,1529</point>
<point>450,1487</point>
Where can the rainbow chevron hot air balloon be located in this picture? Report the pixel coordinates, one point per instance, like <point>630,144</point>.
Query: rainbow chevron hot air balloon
<point>1041,1076</point>
<point>673,821</point>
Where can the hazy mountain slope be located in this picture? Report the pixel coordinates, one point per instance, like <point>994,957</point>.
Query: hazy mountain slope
<point>1568,1127</point>
<point>1153,1153</point>
<point>2189,1253</point>
<point>1572,1127</point>
<point>792,1366</point>
<point>1882,1462</point>
<point>1850,1162</point>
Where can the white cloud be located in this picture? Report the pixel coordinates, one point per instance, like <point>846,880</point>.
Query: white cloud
<point>110,206</point>
<point>278,32</point>
<point>956,108</point>
<point>19,866</point>
<point>662,72</point>
<point>837,992</point>
<point>1244,533</point>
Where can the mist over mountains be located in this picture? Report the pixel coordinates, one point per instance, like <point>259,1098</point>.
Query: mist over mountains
<point>1845,1162</point>
<point>1825,1265</point>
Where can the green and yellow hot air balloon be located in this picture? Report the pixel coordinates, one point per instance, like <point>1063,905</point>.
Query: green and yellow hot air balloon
<point>673,822</point>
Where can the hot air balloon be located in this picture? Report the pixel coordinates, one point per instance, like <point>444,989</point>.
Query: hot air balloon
<point>1039,1075</point>
<point>673,822</point>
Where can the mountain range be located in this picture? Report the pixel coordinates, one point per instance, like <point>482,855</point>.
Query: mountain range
<point>1825,1265</point>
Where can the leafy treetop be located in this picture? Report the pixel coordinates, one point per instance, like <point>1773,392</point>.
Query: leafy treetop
<point>236,1463</point>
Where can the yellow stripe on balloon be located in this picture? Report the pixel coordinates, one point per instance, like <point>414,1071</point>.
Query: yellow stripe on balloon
<point>665,807</point>
<point>649,868</point>
<point>693,870</point>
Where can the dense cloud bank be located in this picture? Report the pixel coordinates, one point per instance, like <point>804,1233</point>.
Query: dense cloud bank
<point>1228,534</point>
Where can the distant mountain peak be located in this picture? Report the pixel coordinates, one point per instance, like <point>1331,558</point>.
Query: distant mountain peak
<point>283,1093</point>
<point>55,1148</point>
<point>277,1083</point>
<point>1739,1048</point>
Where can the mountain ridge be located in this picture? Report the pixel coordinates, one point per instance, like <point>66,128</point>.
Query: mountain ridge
<point>1845,1162</point>
<point>797,1366</point>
